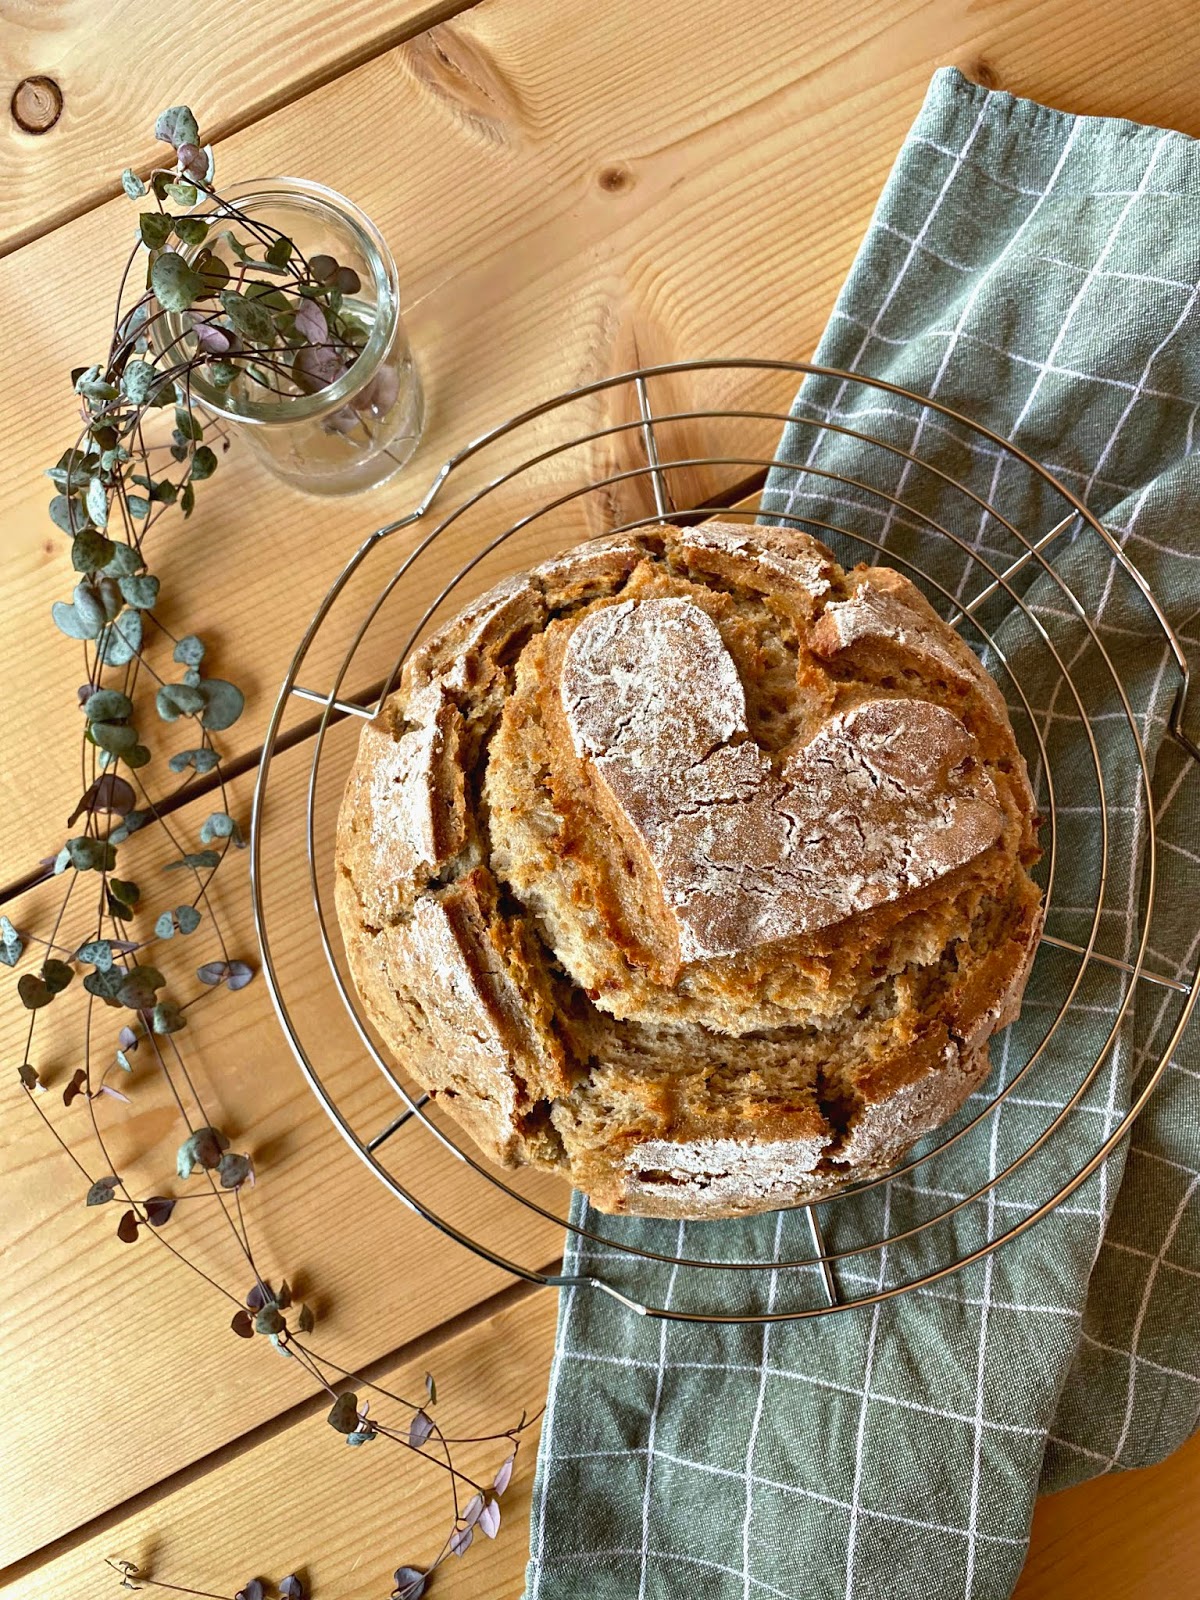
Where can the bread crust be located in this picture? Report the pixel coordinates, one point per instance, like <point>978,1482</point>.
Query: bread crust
<point>694,869</point>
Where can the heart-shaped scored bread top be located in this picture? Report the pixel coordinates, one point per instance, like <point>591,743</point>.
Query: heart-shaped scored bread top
<point>693,868</point>
<point>885,797</point>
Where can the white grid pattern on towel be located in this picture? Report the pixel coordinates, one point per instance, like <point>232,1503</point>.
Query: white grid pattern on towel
<point>672,1357</point>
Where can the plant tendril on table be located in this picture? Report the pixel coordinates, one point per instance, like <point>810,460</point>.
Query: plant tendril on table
<point>275,321</point>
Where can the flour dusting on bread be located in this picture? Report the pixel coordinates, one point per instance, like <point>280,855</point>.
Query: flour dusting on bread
<point>694,869</point>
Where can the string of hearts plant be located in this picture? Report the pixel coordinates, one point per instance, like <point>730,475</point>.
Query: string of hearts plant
<point>255,311</point>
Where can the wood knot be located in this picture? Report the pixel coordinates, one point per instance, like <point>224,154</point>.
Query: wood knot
<point>615,178</point>
<point>36,104</point>
<point>984,74</point>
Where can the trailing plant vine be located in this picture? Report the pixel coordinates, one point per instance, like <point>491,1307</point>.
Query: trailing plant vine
<point>232,297</point>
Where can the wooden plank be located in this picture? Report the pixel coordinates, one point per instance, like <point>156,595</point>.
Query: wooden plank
<point>501,318</point>
<point>529,271</point>
<point>1125,1536</point>
<point>345,1519</point>
<point>547,235</point>
<point>314,1198</point>
<point>81,98</point>
<point>158,1339</point>
<point>1128,1536</point>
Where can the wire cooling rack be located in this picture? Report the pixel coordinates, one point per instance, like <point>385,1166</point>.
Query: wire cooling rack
<point>899,479</point>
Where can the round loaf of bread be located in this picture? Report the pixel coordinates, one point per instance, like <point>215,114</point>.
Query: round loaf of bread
<point>694,869</point>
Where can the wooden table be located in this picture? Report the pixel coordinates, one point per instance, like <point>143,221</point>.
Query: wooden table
<point>569,190</point>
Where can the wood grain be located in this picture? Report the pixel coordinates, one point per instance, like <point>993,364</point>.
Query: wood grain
<point>547,235</point>
<point>135,1333</point>
<point>1131,1536</point>
<point>298,1500</point>
<point>1126,1536</point>
<point>569,193</point>
<point>90,93</point>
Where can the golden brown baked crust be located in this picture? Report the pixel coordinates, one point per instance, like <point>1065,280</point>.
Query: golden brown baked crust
<point>693,868</point>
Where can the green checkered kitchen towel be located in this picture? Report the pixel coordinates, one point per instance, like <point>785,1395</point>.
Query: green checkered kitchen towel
<point>1041,272</point>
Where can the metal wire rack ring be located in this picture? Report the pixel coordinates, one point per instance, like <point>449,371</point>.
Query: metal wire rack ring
<point>632,463</point>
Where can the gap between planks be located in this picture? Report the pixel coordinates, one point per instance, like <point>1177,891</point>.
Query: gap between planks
<point>436,12</point>
<point>303,1410</point>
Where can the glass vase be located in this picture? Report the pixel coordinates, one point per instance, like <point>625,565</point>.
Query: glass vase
<point>360,429</point>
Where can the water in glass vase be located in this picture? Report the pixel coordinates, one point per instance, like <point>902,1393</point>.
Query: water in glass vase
<point>335,404</point>
<point>345,443</point>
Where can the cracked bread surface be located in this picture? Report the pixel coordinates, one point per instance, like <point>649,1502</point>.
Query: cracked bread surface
<point>692,868</point>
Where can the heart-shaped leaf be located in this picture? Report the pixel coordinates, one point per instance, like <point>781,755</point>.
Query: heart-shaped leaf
<point>174,283</point>
<point>122,640</point>
<point>197,860</point>
<point>233,974</point>
<point>57,975</point>
<point>343,1414</point>
<point>252,321</point>
<point>175,700</point>
<point>187,424</point>
<point>69,514</point>
<point>91,551</point>
<point>223,703</point>
<point>105,984</point>
<point>167,1018</point>
<point>33,992</point>
<point>138,988</point>
<point>189,651</point>
<point>177,126</point>
<point>203,1148</point>
<point>117,737</point>
<point>12,946</point>
<point>107,705</point>
<point>202,760</point>
<point>67,620</point>
<point>102,1191</point>
<point>140,591</point>
<point>97,503</point>
<point>213,340</point>
<point>233,1172</point>
<point>158,1209</point>
<point>90,855</point>
<point>110,793</point>
<point>204,464</point>
<point>217,826</point>
<point>269,1319</point>
<point>191,231</point>
<point>139,380</point>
